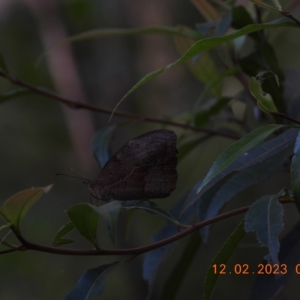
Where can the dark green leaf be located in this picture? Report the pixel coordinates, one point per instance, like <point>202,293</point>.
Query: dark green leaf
<point>265,218</point>
<point>222,258</point>
<point>91,284</point>
<point>208,44</point>
<point>247,142</point>
<point>239,182</point>
<point>295,172</point>
<point>268,286</point>
<point>59,240</point>
<point>252,157</point>
<point>177,275</point>
<point>111,32</point>
<point>85,219</point>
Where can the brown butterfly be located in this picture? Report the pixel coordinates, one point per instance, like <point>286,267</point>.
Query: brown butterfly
<point>144,168</point>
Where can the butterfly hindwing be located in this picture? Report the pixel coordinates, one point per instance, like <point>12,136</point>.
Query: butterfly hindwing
<point>144,168</point>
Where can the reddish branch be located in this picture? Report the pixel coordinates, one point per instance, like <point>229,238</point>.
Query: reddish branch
<point>78,105</point>
<point>26,245</point>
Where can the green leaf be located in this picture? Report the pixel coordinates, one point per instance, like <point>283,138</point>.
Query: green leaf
<point>111,32</point>
<point>295,172</point>
<point>14,94</point>
<point>247,142</point>
<point>85,219</point>
<point>264,100</point>
<point>217,81</point>
<point>203,68</point>
<point>91,284</point>
<point>109,212</point>
<point>208,44</point>
<point>177,275</point>
<point>265,218</point>
<point>17,206</point>
<point>59,240</point>
<point>222,258</point>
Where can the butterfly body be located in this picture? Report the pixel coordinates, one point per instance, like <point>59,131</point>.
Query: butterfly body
<point>144,168</point>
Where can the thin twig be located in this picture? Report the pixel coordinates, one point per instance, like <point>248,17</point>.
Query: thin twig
<point>286,117</point>
<point>133,251</point>
<point>78,105</point>
<point>288,15</point>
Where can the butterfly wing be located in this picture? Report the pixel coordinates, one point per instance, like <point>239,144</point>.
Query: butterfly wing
<point>144,168</point>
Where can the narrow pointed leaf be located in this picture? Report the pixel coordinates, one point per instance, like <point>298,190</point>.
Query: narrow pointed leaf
<point>256,155</point>
<point>111,32</point>
<point>17,206</point>
<point>59,238</point>
<point>247,142</point>
<point>222,257</point>
<point>240,181</point>
<point>268,286</point>
<point>155,258</point>
<point>208,44</point>
<point>177,276</point>
<point>295,172</point>
<point>265,218</point>
<point>91,284</point>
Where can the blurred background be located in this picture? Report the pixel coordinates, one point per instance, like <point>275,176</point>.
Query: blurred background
<point>41,137</point>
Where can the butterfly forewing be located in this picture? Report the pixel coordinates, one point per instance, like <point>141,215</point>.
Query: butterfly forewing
<point>144,168</point>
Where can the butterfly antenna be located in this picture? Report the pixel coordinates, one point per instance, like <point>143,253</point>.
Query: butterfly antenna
<point>75,171</point>
<point>86,181</point>
<point>61,174</point>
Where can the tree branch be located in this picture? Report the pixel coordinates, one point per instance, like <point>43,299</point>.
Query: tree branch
<point>26,245</point>
<point>78,105</point>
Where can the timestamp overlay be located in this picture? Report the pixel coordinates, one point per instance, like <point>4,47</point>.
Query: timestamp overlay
<point>259,269</point>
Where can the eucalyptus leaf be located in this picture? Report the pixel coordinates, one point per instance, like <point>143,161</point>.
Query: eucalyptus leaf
<point>91,284</point>
<point>250,158</point>
<point>265,218</point>
<point>221,258</point>
<point>239,182</point>
<point>247,142</point>
<point>268,286</point>
<point>295,172</point>
<point>208,44</point>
